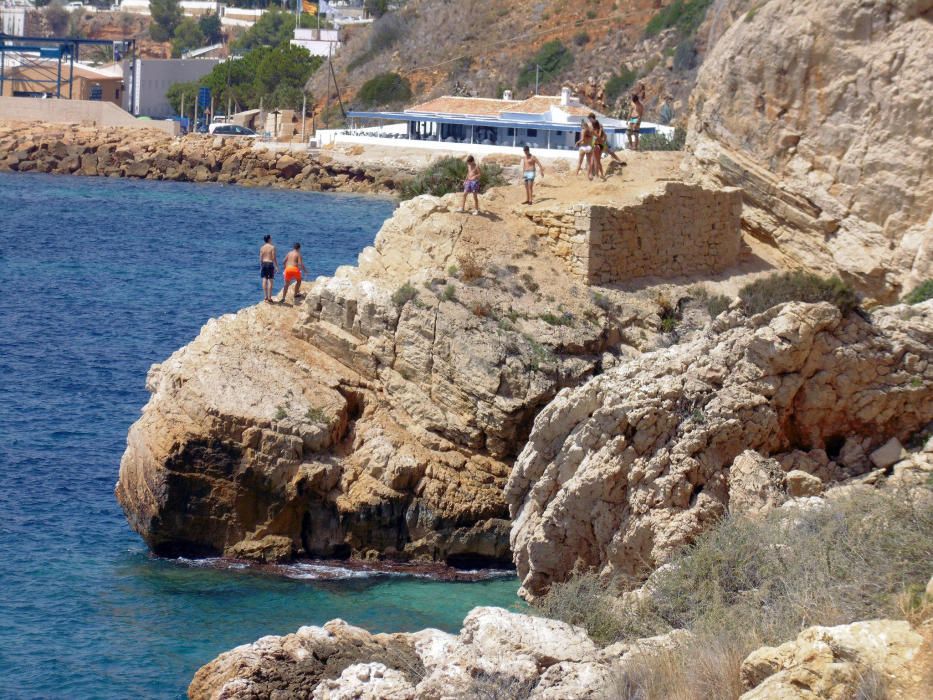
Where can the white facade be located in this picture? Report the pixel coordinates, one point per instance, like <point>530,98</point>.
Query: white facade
<point>13,18</point>
<point>189,8</point>
<point>318,42</point>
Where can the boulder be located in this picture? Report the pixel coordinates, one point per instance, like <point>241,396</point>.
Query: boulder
<point>497,654</point>
<point>832,662</point>
<point>755,485</point>
<point>799,483</point>
<point>823,124</point>
<point>888,454</point>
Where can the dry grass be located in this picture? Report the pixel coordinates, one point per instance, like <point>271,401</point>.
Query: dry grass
<point>745,584</point>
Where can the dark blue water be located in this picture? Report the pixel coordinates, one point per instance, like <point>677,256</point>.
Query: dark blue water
<point>101,278</point>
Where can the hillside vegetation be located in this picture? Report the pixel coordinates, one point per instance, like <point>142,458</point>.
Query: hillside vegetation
<point>480,48</point>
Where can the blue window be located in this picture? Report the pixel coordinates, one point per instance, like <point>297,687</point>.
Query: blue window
<point>532,132</point>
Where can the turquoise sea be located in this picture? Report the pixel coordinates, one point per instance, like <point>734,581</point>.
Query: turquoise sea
<point>101,278</point>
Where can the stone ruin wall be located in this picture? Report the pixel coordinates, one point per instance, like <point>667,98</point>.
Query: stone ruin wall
<point>681,230</point>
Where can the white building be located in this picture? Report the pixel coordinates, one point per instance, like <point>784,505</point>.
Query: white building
<point>189,8</point>
<point>13,17</point>
<point>483,125</point>
<point>318,42</point>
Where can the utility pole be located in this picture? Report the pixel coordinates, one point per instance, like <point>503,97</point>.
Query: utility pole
<point>537,73</point>
<point>304,111</point>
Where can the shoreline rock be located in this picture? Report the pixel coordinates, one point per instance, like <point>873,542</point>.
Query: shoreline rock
<point>153,155</point>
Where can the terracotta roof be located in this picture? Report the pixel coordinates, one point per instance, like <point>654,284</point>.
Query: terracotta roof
<point>474,106</point>
<point>543,103</point>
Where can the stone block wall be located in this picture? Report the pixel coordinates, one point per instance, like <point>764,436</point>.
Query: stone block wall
<point>679,230</point>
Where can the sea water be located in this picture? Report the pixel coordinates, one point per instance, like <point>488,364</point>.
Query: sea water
<point>101,278</point>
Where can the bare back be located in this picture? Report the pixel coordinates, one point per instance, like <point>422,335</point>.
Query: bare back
<point>293,259</point>
<point>267,253</point>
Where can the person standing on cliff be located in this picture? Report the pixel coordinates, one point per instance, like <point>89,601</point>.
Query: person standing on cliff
<point>634,121</point>
<point>294,266</point>
<point>530,166</point>
<point>268,266</point>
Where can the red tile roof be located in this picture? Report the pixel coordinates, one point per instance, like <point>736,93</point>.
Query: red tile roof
<point>473,106</point>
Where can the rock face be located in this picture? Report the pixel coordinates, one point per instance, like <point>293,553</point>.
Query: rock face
<point>833,662</point>
<point>824,125</point>
<point>496,654</point>
<point>636,462</point>
<point>378,418</point>
<point>153,155</point>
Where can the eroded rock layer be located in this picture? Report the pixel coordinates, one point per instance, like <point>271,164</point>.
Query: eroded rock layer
<point>824,125</point>
<point>381,416</point>
<point>621,471</point>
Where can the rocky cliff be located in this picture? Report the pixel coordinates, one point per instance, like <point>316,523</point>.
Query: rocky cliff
<point>379,417</point>
<point>621,471</point>
<point>824,125</point>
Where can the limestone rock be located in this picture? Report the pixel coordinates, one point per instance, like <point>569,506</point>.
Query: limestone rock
<point>823,124</point>
<point>755,485</point>
<point>366,421</point>
<point>830,662</point>
<point>621,471</point>
<point>889,453</point>
<point>799,483</point>
<point>497,654</point>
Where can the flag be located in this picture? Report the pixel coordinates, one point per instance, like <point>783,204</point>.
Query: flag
<point>309,6</point>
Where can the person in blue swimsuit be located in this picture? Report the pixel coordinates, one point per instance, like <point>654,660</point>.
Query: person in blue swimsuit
<point>530,166</point>
<point>268,265</point>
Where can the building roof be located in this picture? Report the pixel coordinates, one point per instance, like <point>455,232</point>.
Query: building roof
<point>490,107</point>
<point>466,106</point>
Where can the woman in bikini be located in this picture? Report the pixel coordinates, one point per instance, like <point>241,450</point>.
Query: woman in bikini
<point>530,165</point>
<point>596,163</point>
<point>585,145</point>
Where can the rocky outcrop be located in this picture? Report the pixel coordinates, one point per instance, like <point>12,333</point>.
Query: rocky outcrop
<point>623,470</point>
<point>846,661</point>
<point>824,126</point>
<point>153,155</point>
<point>496,654</point>
<point>380,417</point>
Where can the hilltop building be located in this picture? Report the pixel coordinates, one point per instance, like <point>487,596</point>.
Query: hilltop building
<point>485,125</point>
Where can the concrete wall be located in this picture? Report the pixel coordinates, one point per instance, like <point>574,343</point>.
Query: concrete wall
<point>29,109</point>
<point>155,76</point>
<point>680,230</point>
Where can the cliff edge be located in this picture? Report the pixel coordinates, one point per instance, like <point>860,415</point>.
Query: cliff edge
<point>824,125</point>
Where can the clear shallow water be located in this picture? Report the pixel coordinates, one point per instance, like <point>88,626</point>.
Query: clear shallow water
<point>101,278</point>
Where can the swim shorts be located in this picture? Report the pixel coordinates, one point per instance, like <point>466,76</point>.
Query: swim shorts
<point>530,175</point>
<point>586,149</point>
<point>471,186</point>
<point>267,270</point>
<point>292,274</point>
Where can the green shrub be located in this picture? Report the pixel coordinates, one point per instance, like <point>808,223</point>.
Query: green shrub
<point>586,602</point>
<point>717,304</point>
<point>553,58</point>
<point>384,89</point>
<point>685,55</point>
<point>766,292</point>
<point>684,15</point>
<point>659,142</point>
<point>446,175</point>
<point>921,293</point>
<point>619,83</point>
<point>450,293</point>
<point>581,39</point>
<point>403,295</point>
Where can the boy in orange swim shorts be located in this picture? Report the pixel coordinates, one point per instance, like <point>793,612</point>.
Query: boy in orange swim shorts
<point>294,266</point>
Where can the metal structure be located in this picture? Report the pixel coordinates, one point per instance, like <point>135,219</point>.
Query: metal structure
<point>65,51</point>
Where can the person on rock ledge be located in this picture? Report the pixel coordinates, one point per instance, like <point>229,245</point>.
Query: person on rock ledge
<point>294,266</point>
<point>530,165</point>
<point>268,266</point>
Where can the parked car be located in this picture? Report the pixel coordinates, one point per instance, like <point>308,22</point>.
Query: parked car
<point>222,128</point>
